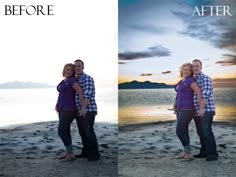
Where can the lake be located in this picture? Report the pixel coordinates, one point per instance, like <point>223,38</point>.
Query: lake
<point>153,105</point>
<point>22,106</point>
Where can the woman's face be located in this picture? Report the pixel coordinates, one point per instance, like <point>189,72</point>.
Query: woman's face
<point>187,71</point>
<point>69,71</point>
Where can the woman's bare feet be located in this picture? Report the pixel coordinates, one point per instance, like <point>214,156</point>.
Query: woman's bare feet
<point>188,156</point>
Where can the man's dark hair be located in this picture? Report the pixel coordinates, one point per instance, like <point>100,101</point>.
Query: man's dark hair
<point>78,60</point>
<point>198,61</point>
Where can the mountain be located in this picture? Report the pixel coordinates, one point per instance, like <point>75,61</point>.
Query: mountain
<point>143,85</point>
<point>23,85</point>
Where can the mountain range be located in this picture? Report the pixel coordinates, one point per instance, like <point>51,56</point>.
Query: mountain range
<point>143,85</point>
<point>23,85</point>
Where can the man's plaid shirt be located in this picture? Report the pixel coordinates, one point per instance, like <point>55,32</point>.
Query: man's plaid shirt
<point>86,82</point>
<point>205,83</point>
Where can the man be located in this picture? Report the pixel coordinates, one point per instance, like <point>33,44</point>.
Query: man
<point>203,121</point>
<point>87,112</point>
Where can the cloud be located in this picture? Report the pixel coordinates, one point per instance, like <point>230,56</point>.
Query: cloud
<point>228,40</point>
<point>220,32</point>
<point>231,60</point>
<point>146,74</point>
<point>121,63</point>
<point>155,51</point>
<point>148,28</point>
<point>166,72</point>
<point>203,28</point>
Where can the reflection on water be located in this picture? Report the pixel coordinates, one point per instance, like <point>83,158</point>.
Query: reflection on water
<point>139,106</point>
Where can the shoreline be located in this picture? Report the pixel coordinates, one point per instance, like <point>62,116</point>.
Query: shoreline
<point>13,126</point>
<point>127,127</point>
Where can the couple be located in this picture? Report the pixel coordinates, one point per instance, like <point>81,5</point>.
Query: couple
<point>77,100</point>
<point>194,99</point>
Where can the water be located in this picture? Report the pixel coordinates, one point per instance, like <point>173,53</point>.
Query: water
<point>152,105</point>
<point>21,106</point>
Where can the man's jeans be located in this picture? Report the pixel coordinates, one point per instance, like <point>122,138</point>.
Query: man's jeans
<point>88,136</point>
<point>183,120</point>
<point>66,117</point>
<point>204,130</point>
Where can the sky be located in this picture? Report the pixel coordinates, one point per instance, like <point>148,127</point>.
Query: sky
<point>156,37</point>
<point>35,48</point>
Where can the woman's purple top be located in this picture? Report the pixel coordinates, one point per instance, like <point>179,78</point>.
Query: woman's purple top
<point>66,98</point>
<point>184,97</point>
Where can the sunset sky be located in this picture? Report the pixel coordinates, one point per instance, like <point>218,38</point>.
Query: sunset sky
<point>157,36</point>
<point>35,48</point>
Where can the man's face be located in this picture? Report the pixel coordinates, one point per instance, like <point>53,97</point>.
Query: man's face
<point>197,67</point>
<point>79,67</point>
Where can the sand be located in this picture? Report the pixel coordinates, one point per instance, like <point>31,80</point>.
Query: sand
<point>150,150</point>
<point>145,150</point>
<point>33,150</point>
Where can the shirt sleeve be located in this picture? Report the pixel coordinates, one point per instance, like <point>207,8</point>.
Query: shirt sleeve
<point>190,80</point>
<point>206,87</point>
<point>72,81</point>
<point>88,87</point>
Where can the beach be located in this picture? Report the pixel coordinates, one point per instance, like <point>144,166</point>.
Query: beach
<point>150,149</point>
<point>32,150</point>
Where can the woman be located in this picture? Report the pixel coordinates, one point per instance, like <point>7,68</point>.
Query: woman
<point>184,107</point>
<point>66,107</point>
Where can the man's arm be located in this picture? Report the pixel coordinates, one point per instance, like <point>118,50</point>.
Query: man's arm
<point>88,91</point>
<point>206,88</point>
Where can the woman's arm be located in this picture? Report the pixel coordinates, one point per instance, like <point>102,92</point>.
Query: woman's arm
<point>84,102</point>
<point>197,90</point>
<point>78,89</point>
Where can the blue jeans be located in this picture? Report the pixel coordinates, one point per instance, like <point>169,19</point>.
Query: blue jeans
<point>88,136</point>
<point>204,130</point>
<point>183,120</point>
<point>66,117</point>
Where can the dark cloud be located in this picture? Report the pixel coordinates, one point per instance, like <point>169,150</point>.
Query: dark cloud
<point>166,72</point>
<point>220,31</point>
<point>121,63</point>
<point>148,28</point>
<point>229,61</point>
<point>155,51</point>
<point>202,28</point>
<point>228,40</point>
<point>146,74</point>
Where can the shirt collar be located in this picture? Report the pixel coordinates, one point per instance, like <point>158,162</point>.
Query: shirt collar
<point>81,75</point>
<point>199,75</point>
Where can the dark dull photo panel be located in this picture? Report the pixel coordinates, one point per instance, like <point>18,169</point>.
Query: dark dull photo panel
<point>58,88</point>
<point>177,95</point>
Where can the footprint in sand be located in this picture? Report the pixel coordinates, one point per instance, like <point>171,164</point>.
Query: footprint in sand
<point>3,144</point>
<point>49,147</point>
<point>104,146</point>
<point>32,148</point>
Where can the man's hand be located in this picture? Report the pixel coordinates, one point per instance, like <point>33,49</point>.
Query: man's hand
<point>201,112</point>
<point>83,112</point>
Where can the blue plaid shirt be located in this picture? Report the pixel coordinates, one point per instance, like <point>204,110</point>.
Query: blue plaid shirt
<point>86,82</point>
<point>205,83</point>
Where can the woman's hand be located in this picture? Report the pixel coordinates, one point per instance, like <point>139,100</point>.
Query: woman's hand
<point>56,108</point>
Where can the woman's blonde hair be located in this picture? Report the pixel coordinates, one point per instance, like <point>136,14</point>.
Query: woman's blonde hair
<point>66,65</point>
<point>181,69</point>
